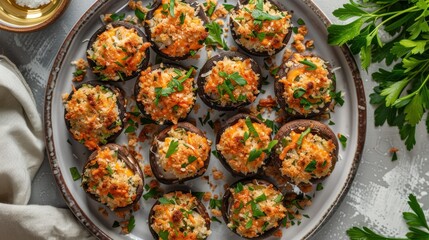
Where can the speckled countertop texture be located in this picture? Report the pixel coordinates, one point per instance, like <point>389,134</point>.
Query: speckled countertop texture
<point>377,197</point>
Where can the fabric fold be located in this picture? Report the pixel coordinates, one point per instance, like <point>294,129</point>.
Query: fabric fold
<point>21,154</point>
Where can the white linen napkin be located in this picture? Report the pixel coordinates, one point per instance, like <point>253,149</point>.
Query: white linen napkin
<point>21,154</point>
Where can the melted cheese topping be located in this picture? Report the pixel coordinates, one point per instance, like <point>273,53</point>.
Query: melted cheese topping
<point>111,180</point>
<point>265,37</point>
<point>117,52</point>
<point>173,37</point>
<point>170,107</point>
<point>313,159</point>
<point>315,84</point>
<point>177,216</point>
<point>190,154</point>
<point>245,93</point>
<point>93,115</point>
<point>236,151</point>
<point>255,209</point>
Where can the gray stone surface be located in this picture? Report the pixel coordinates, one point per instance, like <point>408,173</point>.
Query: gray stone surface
<point>378,195</point>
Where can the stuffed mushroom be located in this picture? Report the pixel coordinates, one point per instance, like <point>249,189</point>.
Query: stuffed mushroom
<point>94,113</point>
<point>253,208</point>
<point>180,152</point>
<point>112,177</point>
<point>165,92</point>
<point>243,145</point>
<point>176,28</point>
<point>304,86</point>
<point>307,151</point>
<point>179,215</point>
<point>118,51</point>
<point>229,80</point>
<point>260,27</point>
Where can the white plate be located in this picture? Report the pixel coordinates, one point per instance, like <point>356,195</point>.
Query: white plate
<point>350,121</point>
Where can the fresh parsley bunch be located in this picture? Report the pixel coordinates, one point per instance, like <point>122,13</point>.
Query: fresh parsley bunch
<point>402,94</point>
<point>416,221</point>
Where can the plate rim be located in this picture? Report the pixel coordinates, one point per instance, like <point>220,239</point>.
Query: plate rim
<point>96,231</point>
<point>58,12</point>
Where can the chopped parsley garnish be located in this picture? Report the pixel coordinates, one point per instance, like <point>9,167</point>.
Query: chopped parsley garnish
<point>109,170</point>
<point>164,200</point>
<point>152,193</point>
<point>256,153</point>
<point>331,122</point>
<point>228,7</point>
<point>259,15</point>
<point>239,187</point>
<point>310,64</point>
<point>311,166</point>
<point>131,224</point>
<point>261,198</point>
<point>117,17</point>
<point>300,21</point>
<point>215,35</point>
<point>110,196</point>
<point>191,159</point>
<point>264,227</point>
<point>256,210</point>
<point>139,14</point>
<point>75,173</point>
<point>251,128</point>
<point>319,187</point>
<point>274,71</point>
<point>215,203</point>
<point>235,76</point>
<point>115,224</point>
<point>245,137</point>
<point>172,148</point>
<point>249,224</point>
<point>172,8</point>
<point>394,156</point>
<point>279,198</point>
<point>192,52</point>
<point>261,36</point>
<point>175,85</point>
<point>337,96</point>
<point>303,134</point>
<point>211,9</point>
<point>215,219</point>
<point>163,234</point>
<point>216,154</point>
<point>343,140</point>
<point>198,195</point>
<point>182,19</point>
<point>78,73</point>
<point>299,92</point>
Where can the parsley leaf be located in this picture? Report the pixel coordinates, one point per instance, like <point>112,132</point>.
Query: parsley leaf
<point>416,221</point>
<point>303,134</point>
<point>139,14</point>
<point>310,64</point>
<point>215,35</point>
<point>235,76</point>
<point>251,128</point>
<point>262,16</point>
<point>163,234</point>
<point>228,7</point>
<point>400,96</point>
<point>172,8</point>
<point>311,166</point>
<point>75,173</point>
<point>172,148</point>
<point>131,223</point>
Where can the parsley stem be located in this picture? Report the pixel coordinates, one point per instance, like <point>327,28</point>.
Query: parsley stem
<point>413,93</point>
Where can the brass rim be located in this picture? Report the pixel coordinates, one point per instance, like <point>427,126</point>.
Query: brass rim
<point>15,18</point>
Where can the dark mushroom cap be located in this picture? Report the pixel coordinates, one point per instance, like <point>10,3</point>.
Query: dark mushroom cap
<point>137,90</point>
<point>200,208</point>
<point>157,170</point>
<point>235,36</point>
<point>230,122</point>
<point>208,67</point>
<point>300,126</point>
<point>227,200</point>
<point>140,66</point>
<point>131,163</point>
<point>279,90</point>
<point>120,102</point>
<point>157,3</point>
